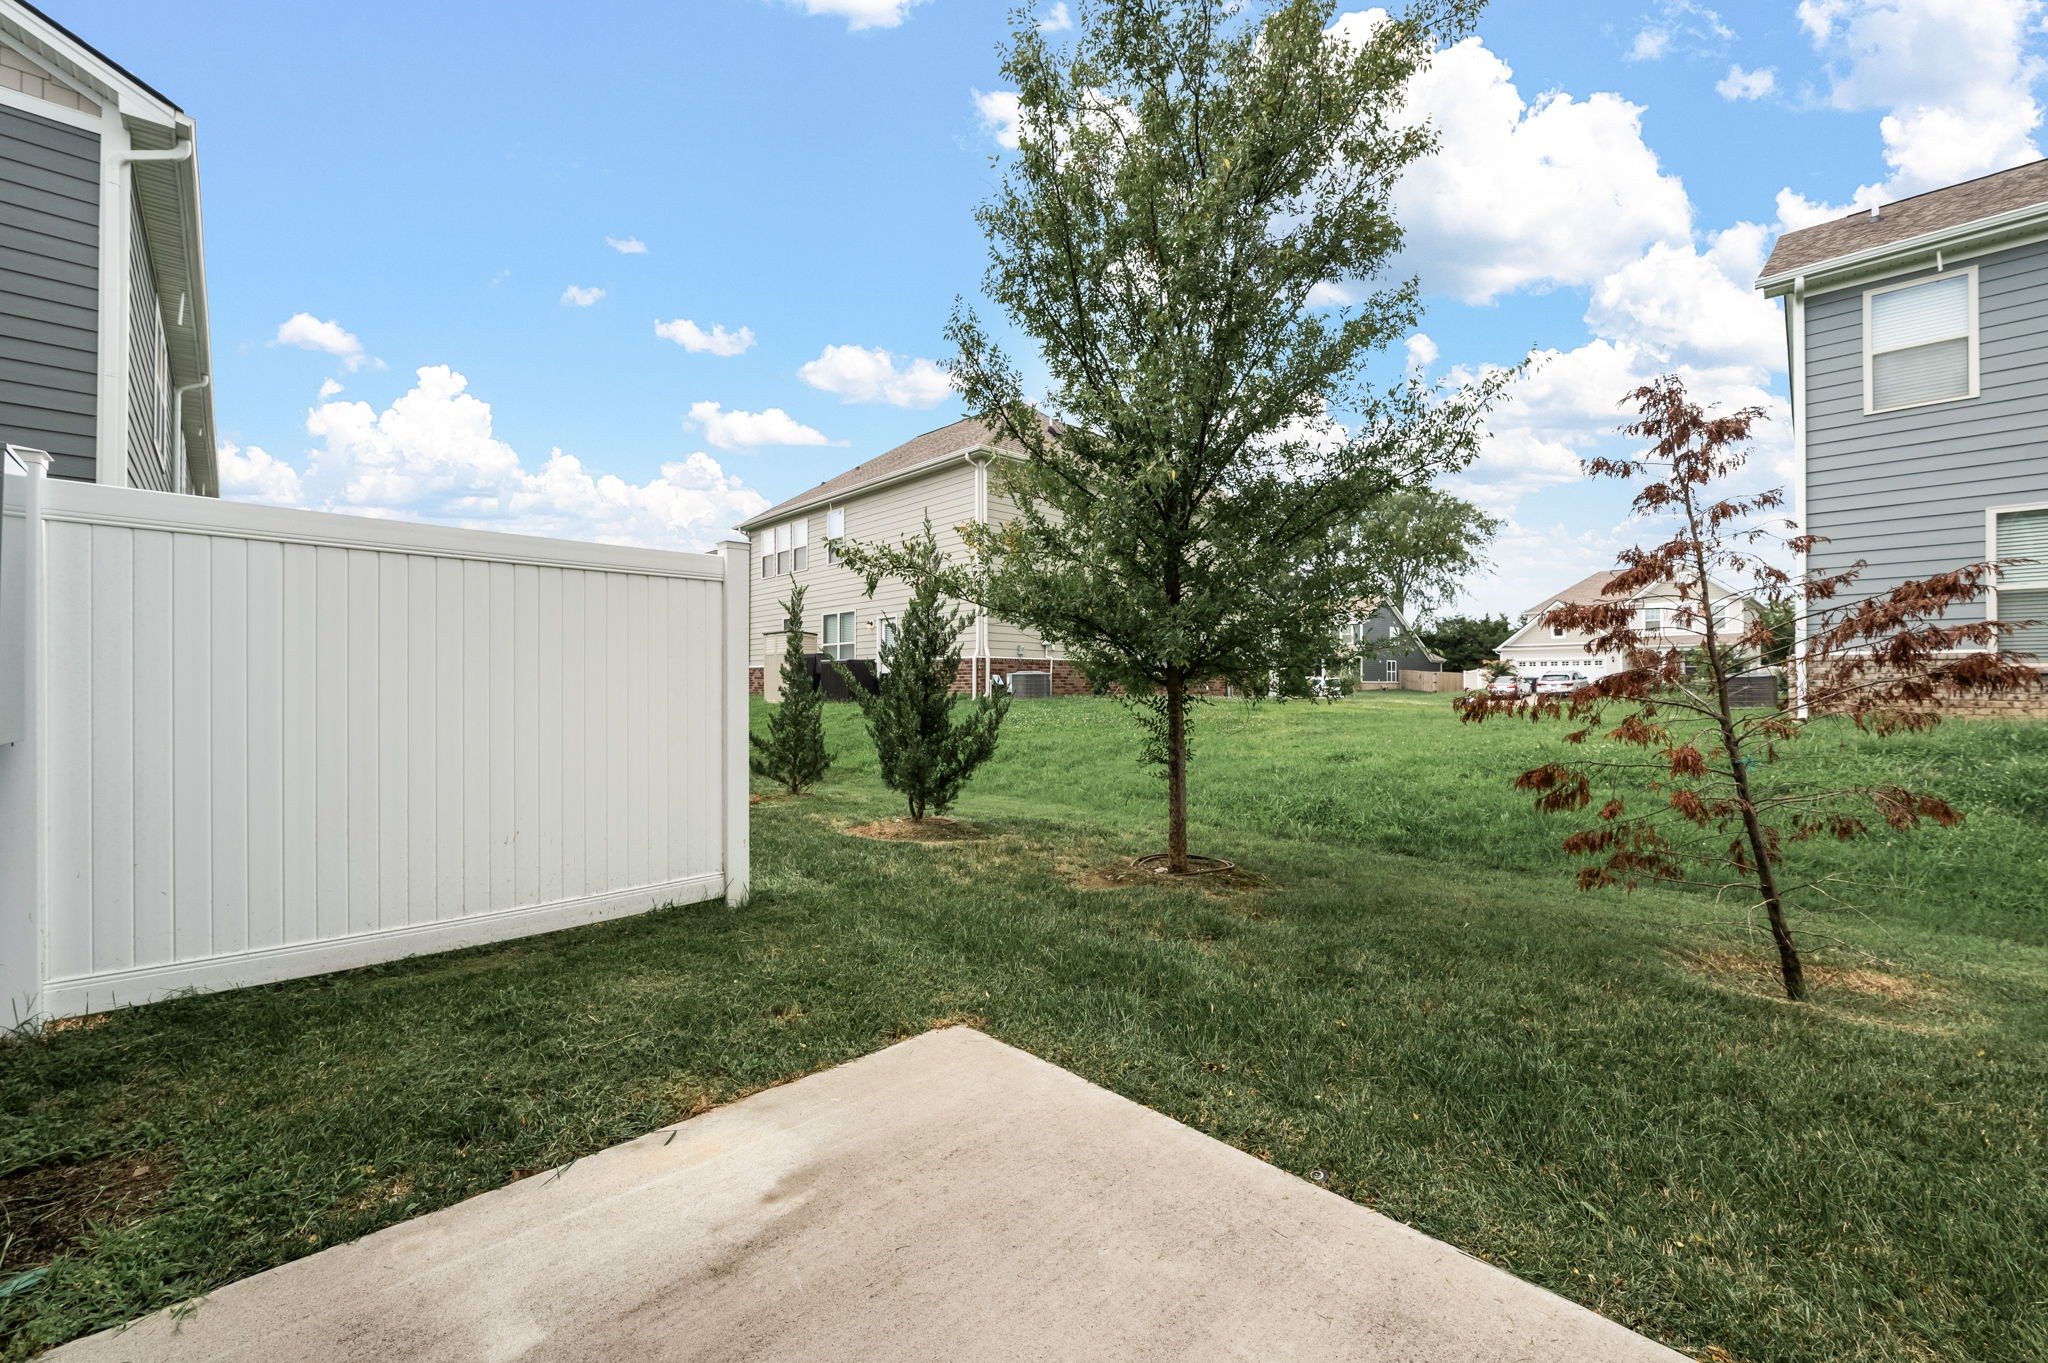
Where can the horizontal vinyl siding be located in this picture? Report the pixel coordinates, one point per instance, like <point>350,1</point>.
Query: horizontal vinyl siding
<point>149,371</point>
<point>49,288</point>
<point>887,516</point>
<point>1905,492</point>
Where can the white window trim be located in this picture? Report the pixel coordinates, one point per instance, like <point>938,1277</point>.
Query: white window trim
<point>1869,390</point>
<point>1991,515</point>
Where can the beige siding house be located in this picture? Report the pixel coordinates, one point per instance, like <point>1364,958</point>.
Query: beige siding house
<point>944,475</point>
<point>1538,647</point>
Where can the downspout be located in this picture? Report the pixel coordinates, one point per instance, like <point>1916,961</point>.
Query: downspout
<point>986,664</point>
<point>1795,382</point>
<point>181,475</point>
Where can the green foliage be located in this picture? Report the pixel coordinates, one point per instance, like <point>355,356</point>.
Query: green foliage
<point>1781,619</point>
<point>793,753</point>
<point>1187,174</point>
<point>1466,641</point>
<point>926,752</point>
<point>1419,544</point>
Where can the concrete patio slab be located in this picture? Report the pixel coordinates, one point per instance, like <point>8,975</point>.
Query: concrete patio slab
<point>947,1198</point>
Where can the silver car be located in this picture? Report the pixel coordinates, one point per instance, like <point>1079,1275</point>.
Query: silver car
<point>1558,683</point>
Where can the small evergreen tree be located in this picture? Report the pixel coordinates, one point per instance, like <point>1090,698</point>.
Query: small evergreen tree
<point>793,755</point>
<point>925,753</point>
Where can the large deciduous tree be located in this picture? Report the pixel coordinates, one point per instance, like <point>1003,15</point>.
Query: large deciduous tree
<point>1419,544</point>
<point>1189,179</point>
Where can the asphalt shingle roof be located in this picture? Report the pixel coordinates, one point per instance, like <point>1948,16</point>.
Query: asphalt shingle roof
<point>1935,211</point>
<point>928,448</point>
<point>1585,592</point>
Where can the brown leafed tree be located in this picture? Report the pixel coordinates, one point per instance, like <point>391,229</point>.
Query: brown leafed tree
<point>1688,781</point>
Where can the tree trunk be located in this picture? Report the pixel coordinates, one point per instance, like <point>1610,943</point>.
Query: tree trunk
<point>1176,773</point>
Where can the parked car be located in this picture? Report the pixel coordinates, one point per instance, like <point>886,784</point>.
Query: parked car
<point>1507,684</point>
<point>1558,683</point>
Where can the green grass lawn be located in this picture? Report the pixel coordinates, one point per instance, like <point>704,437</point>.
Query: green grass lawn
<point>1590,1090</point>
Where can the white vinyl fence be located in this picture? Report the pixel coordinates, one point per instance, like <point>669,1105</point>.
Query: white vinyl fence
<point>250,744</point>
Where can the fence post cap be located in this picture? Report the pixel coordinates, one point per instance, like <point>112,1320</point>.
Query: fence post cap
<point>30,459</point>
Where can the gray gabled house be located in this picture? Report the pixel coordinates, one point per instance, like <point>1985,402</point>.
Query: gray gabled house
<point>104,356</point>
<point>1917,334</point>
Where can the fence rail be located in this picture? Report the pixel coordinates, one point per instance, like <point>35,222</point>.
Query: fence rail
<point>260,743</point>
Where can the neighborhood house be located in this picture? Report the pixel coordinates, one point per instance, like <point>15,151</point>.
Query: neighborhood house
<point>103,323</point>
<point>1915,334</point>
<point>1538,646</point>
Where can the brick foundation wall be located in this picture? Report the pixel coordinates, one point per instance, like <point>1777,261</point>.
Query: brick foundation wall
<point>2029,704</point>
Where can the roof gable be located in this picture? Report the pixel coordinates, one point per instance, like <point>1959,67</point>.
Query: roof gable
<point>1907,220</point>
<point>928,450</point>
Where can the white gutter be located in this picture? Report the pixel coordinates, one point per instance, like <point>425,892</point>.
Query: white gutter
<point>181,476</point>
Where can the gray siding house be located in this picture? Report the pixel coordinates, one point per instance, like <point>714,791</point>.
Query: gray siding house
<point>1918,342</point>
<point>104,356</point>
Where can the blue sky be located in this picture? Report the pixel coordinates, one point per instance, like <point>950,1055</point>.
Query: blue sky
<point>421,307</point>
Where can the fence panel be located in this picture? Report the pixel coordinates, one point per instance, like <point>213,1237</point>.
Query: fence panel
<point>265,743</point>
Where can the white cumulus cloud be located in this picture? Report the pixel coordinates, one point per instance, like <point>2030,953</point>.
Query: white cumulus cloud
<point>1741,84</point>
<point>696,340</point>
<point>576,296</point>
<point>738,430</point>
<point>1528,195</point>
<point>860,14</point>
<point>627,246</point>
<point>253,475</point>
<point>858,374</point>
<point>432,455</point>
<point>307,332</point>
<point>1056,19</point>
<point>1954,80</point>
<point>1000,116</point>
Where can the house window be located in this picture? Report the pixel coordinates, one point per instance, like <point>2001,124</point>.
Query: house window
<point>1653,619</point>
<point>799,537</point>
<point>2022,592</point>
<point>1393,669</point>
<point>885,632</point>
<point>835,531</point>
<point>764,550</point>
<point>837,637</point>
<point>1557,631</point>
<point>1920,342</point>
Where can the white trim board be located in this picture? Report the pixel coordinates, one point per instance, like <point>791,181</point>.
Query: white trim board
<point>120,989</point>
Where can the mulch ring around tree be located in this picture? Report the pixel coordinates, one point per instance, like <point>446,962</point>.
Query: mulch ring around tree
<point>44,1209</point>
<point>1204,873</point>
<point>935,828</point>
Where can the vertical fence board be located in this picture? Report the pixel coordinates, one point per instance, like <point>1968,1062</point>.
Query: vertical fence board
<point>68,731</point>
<point>450,699</point>
<point>363,824</point>
<point>422,805</point>
<point>575,727</point>
<point>658,755</point>
<point>266,692</point>
<point>596,733</point>
<point>151,731</point>
<point>191,747</point>
<point>301,742</point>
<point>112,732</point>
<point>502,748</point>
<point>394,742</point>
<point>525,737</point>
<point>330,752</point>
<point>228,699</point>
<point>619,735</point>
<point>476,737</point>
<point>548,735</point>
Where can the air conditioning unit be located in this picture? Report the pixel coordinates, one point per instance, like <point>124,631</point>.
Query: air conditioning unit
<point>1031,685</point>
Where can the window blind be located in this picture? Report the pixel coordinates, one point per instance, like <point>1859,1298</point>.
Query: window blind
<point>2023,589</point>
<point>1920,343</point>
